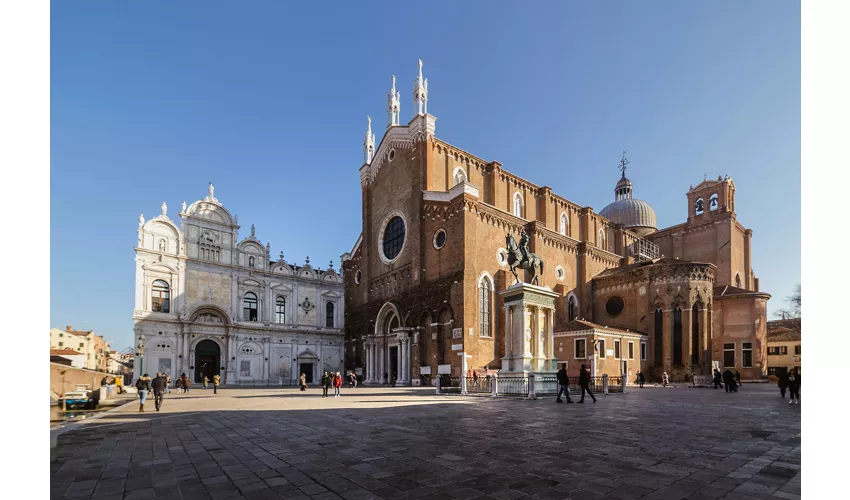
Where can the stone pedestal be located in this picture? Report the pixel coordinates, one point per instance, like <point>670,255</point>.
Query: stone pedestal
<point>529,320</point>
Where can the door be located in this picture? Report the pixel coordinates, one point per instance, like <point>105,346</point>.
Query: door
<point>207,356</point>
<point>307,370</point>
<point>394,363</point>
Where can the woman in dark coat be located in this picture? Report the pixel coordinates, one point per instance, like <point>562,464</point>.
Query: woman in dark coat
<point>729,381</point>
<point>783,383</point>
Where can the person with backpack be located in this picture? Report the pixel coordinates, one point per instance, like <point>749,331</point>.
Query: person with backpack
<point>158,386</point>
<point>326,383</point>
<point>143,385</point>
<point>337,381</point>
<point>352,380</point>
<point>563,384</point>
<point>216,381</point>
<point>584,382</point>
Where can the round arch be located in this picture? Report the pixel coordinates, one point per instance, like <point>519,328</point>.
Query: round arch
<point>209,309</point>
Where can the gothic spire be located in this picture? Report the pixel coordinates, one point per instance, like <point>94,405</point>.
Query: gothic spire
<point>420,93</point>
<point>369,143</point>
<point>393,105</point>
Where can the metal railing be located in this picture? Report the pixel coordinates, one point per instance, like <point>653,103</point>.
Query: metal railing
<point>425,380</point>
<point>450,385</point>
<point>519,385</point>
<point>478,385</point>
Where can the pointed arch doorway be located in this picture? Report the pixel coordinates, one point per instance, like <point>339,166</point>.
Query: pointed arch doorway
<point>207,360</point>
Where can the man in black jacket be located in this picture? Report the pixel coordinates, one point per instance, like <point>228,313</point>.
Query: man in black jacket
<point>326,382</point>
<point>563,384</point>
<point>158,387</point>
<point>584,382</point>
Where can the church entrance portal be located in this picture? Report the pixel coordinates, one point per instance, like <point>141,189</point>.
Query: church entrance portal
<point>307,370</point>
<point>207,358</point>
<point>393,363</point>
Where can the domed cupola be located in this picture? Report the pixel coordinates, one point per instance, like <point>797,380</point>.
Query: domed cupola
<point>635,215</point>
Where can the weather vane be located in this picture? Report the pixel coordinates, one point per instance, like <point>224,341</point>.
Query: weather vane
<point>623,163</point>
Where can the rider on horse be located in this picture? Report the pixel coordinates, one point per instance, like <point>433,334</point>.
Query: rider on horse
<point>523,246</point>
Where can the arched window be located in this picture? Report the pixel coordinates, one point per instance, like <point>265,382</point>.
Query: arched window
<point>329,315</point>
<point>564,224</point>
<point>250,261</point>
<point>677,336</point>
<point>484,291</point>
<point>280,310</point>
<point>738,280</point>
<point>160,297</point>
<point>572,308</point>
<point>459,175</point>
<point>695,335</point>
<point>518,204</point>
<point>249,307</point>
<point>600,240</point>
<point>659,337</point>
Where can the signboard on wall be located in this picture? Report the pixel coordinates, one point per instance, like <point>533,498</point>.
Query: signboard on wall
<point>358,371</point>
<point>457,333</point>
<point>457,347</point>
<point>609,353</point>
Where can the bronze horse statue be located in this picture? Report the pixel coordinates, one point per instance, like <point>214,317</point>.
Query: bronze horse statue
<point>515,260</point>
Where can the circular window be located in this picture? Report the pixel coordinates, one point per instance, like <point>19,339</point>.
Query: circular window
<point>358,276</point>
<point>559,272</point>
<point>392,239</point>
<point>439,238</point>
<point>502,256</point>
<point>614,306</point>
<point>392,154</point>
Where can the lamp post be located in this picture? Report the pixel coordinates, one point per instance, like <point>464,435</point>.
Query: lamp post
<point>141,354</point>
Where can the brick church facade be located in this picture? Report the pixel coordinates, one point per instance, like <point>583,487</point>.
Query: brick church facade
<point>422,280</point>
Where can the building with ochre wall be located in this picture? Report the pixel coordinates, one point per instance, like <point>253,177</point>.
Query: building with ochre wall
<point>423,277</point>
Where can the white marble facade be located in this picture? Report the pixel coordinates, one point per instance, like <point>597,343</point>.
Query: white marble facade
<point>206,300</point>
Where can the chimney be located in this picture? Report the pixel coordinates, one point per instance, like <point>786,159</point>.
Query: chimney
<point>68,328</point>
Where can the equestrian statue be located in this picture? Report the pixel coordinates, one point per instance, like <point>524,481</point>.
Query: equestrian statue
<point>520,257</point>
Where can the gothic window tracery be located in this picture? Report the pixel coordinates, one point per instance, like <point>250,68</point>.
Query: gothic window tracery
<point>518,204</point>
<point>484,299</point>
<point>280,310</point>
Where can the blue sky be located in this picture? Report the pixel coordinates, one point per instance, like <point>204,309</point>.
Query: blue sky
<point>150,101</point>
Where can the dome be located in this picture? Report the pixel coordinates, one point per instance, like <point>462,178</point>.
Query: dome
<point>631,213</point>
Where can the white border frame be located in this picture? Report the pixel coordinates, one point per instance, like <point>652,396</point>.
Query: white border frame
<point>434,239</point>
<point>563,273</point>
<point>575,348</point>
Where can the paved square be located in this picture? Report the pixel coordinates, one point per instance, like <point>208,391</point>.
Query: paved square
<point>652,443</point>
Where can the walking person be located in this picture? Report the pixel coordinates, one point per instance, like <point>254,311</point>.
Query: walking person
<point>326,383</point>
<point>352,380</point>
<point>718,379</point>
<point>167,383</point>
<point>216,381</point>
<point>641,379</point>
<point>584,382</point>
<point>158,386</point>
<point>783,383</point>
<point>337,384</point>
<point>563,384</point>
<point>178,384</point>
<point>143,385</point>
<point>204,380</point>
<point>729,381</point>
<point>475,381</point>
<point>794,387</point>
<point>737,378</point>
<point>665,379</point>
<point>303,379</point>
<point>185,383</point>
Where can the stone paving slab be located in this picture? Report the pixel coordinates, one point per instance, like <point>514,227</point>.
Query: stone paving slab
<point>410,443</point>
